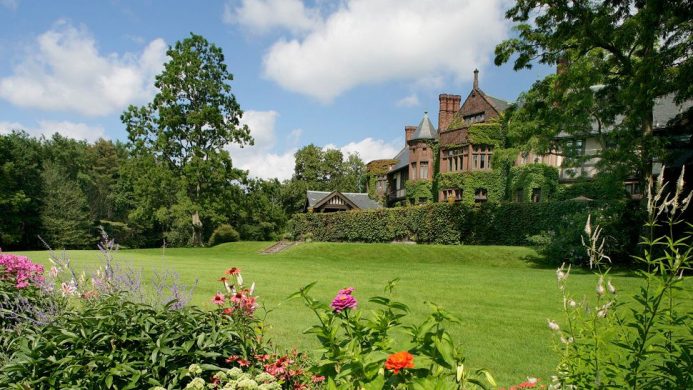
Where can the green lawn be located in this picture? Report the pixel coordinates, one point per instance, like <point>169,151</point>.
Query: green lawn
<point>502,297</point>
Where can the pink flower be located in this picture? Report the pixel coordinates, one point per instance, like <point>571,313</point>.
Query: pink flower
<point>342,302</point>
<point>346,291</point>
<point>218,299</point>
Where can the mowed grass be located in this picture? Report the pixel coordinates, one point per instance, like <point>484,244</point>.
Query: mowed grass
<point>501,294</point>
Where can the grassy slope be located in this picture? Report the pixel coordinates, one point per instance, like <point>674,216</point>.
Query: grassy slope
<point>502,298</point>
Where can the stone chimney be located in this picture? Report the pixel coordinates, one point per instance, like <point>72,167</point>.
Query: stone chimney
<point>449,105</point>
<point>476,78</point>
<point>408,133</point>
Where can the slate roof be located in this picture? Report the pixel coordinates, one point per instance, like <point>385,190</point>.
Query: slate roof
<point>665,109</point>
<point>359,199</point>
<point>499,104</point>
<point>425,130</point>
<point>402,159</point>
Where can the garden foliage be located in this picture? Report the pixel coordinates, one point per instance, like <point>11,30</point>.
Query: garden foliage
<point>486,224</point>
<point>646,344</point>
<point>224,233</point>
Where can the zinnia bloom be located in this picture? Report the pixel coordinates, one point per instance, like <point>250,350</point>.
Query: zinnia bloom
<point>218,299</point>
<point>347,291</point>
<point>398,361</point>
<point>342,302</point>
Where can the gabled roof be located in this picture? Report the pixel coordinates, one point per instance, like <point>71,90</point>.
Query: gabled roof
<point>425,130</point>
<point>402,159</point>
<point>359,200</point>
<point>499,104</point>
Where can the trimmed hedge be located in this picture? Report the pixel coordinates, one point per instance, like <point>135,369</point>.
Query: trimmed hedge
<point>444,223</point>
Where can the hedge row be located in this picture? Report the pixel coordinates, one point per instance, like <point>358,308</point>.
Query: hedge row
<point>486,224</point>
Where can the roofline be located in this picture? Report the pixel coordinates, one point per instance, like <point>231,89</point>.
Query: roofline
<point>341,195</point>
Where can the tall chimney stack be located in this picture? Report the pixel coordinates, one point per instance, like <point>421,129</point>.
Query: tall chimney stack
<point>408,133</point>
<point>476,78</point>
<point>449,105</point>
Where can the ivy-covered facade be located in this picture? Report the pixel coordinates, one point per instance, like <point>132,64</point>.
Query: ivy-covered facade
<point>464,159</point>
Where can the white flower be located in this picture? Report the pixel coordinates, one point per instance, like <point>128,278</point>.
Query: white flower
<point>567,340</point>
<point>239,279</point>
<point>553,325</point>
<point>68,289</point>
<point>610,287</point>
<point>600,286</point>
<point>54,272</point>
<point>588,226</point>
<point>197,384</point>
<point>561,273</point>
<point>572,304</point>
<point>531,379</point>
<point>252,289</point>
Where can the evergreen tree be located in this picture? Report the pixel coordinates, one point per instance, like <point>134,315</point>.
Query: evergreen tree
<point>65,211</point>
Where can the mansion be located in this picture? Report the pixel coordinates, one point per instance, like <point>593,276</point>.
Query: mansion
<point>455,162</point>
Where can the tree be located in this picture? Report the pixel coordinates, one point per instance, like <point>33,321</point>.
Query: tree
<point>190,122</point>
<point>65,212</point>
<point>615,58</point>
<point>20,190</point>
<point>327,170</point>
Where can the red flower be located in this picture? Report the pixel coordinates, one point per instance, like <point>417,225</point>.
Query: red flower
<point>233,271</point>
<point>262,358</point>
<point>399,360</point>
<point>228,311</point>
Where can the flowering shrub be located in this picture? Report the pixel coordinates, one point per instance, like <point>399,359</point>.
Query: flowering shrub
<point>647,344</point>
<point>25,301</point>
<point>358,350</point>
<point>233,378</point>
<point>20,270</point>
<point>111,342</point>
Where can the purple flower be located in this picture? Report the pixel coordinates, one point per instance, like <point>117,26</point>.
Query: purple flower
<point>343,301</point>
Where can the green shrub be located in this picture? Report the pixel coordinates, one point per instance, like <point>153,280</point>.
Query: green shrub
<point>224,233</point>
<point>113,343</point>
<point>485,224</point>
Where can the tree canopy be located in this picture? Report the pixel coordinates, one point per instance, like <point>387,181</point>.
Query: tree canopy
<point>190,123</point>
<point>615,59</point>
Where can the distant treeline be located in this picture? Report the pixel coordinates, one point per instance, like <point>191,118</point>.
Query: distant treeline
<point>64,191</point>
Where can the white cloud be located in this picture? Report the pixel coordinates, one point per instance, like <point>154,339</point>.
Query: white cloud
<point>65,71</point>
<point>408,101</point>
<point>260,16</point>
<point>373,41</point>
<point>260,159</point>
<point>369,149</point>
<point>79,131</point>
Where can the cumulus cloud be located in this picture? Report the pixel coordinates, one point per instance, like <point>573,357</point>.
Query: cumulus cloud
<point>262,160</point>
<point>78,131</point>
<point>260,16</point>
<point>373,41</point>
<point>369,149</point>
<point>408,101</point>
<point>65,71</point>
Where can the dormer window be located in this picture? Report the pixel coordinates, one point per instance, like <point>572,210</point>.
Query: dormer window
<point>474,118</point>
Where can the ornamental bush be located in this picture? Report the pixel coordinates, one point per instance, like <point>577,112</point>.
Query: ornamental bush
<point>224,233</point>
<point>485,224</point>
<point>113,343</point>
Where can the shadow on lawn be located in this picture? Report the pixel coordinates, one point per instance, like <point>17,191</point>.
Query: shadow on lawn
<point>538,261</point>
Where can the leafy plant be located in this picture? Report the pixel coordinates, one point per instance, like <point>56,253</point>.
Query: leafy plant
<point>114,343</point>
<point>224,233</point>
<point>647,344</point>
<point>360,351</point>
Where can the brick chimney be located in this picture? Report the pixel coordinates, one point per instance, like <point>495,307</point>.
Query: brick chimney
<point>476,78</point>
<point>449,105</point>
<point>408,133</point>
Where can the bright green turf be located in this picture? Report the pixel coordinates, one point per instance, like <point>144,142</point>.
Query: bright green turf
<point>502,297</point>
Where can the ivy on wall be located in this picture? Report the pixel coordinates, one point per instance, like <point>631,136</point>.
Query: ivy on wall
<point>419,190</point>
<point>526,178</point>
<point>374,169</point>
<point>493,181</point>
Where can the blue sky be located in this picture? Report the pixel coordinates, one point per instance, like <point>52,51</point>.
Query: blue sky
<point>347,74</point>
